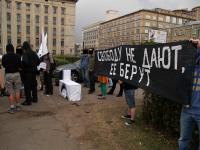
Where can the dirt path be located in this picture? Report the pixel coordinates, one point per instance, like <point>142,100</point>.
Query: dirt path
<point>57,124</point>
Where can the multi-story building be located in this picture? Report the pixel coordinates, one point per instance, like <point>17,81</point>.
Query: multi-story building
<point>184,32</point>
<point>196,11</point>
<point>135,27</point>
<point>90,36</point>
<point>24,20</point>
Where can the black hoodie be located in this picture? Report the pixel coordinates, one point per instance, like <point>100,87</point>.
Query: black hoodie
<point>11,61</point>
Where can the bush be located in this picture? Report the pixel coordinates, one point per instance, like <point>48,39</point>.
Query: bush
<point>164,114</point>
<point>65,59</point>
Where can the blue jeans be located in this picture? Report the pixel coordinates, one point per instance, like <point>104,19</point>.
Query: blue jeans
<point>130,98</point>
<point>85,77</point>
<point>187,121</point>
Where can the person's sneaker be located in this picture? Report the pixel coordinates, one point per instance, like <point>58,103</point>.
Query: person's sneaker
<point>129,122</point>
<point>11,110</point>
<point>126,117</point>
<point>18,108</point>
<point>101,97</point>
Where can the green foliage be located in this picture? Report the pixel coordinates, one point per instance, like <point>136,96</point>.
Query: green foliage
<point>65,59</point>
<point>133,42</point>
<point>164,115</point>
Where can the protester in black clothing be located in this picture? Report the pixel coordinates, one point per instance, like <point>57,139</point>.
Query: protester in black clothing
<point>19,51</point>
<point>48,59</point>
<point>11,63</point>
<point>113,88</point>
<point>30,61</point>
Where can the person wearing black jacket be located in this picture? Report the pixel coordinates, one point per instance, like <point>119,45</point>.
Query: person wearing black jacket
<point>30,61</point>
<point>11,63</point>
<point>48,59</point>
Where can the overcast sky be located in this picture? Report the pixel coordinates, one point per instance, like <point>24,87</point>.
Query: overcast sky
<point>91,11</point>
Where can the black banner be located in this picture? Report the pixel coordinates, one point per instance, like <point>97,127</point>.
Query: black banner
<point>164,69</point>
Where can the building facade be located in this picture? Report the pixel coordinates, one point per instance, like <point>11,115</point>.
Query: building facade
<point>184,32</point>
<point>196,12</point>
<point>24,20</point>
<point>134,28</point>
<point>90,36</point>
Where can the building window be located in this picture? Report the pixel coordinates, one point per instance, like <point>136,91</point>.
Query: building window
<point>180,21</point>
<point>37,19</point>
<point>28,6</point>
<point>62,21</point>
<point>62,43</point>
<point>37,7</point>
<point>18,29</point>
<point>18,4</point>
<point>45,19</point>
<point>63,11</point>
<point>148,17</point>
<point>62,52</point>
<point>146,31</point>
<point>167,18</point>
<point>54,20</point>
<point>54,31</point>
<point>8,28</point>
<point>28,18</point>
<point>18,18</point>
<point>37,41</point>
<point>37,29</point>
<point>137,31</point>
<point>9,4</point>
<point>54,10</point>
<point>46,9</point>
<point>27,29</point>
<point>9,39</point>
<point>147,24</point>
<point>173,20</point>
<point>18,41</point>
<point>154,17</point>
<point>62,31</point>
<point>46,30</point>
<point>54,42</point>
<point>8,16</point>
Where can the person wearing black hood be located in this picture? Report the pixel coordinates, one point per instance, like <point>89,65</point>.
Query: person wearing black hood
<point>11,63</point>
<point>30,61</point>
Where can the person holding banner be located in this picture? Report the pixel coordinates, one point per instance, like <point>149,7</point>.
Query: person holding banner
<point>191,113</point>
<point>129,91</point>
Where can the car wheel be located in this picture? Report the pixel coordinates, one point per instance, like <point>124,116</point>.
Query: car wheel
<point>64,92</point>
<point>74,76</point>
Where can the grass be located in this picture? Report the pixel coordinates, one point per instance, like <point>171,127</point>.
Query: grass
<point>109,132</point>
